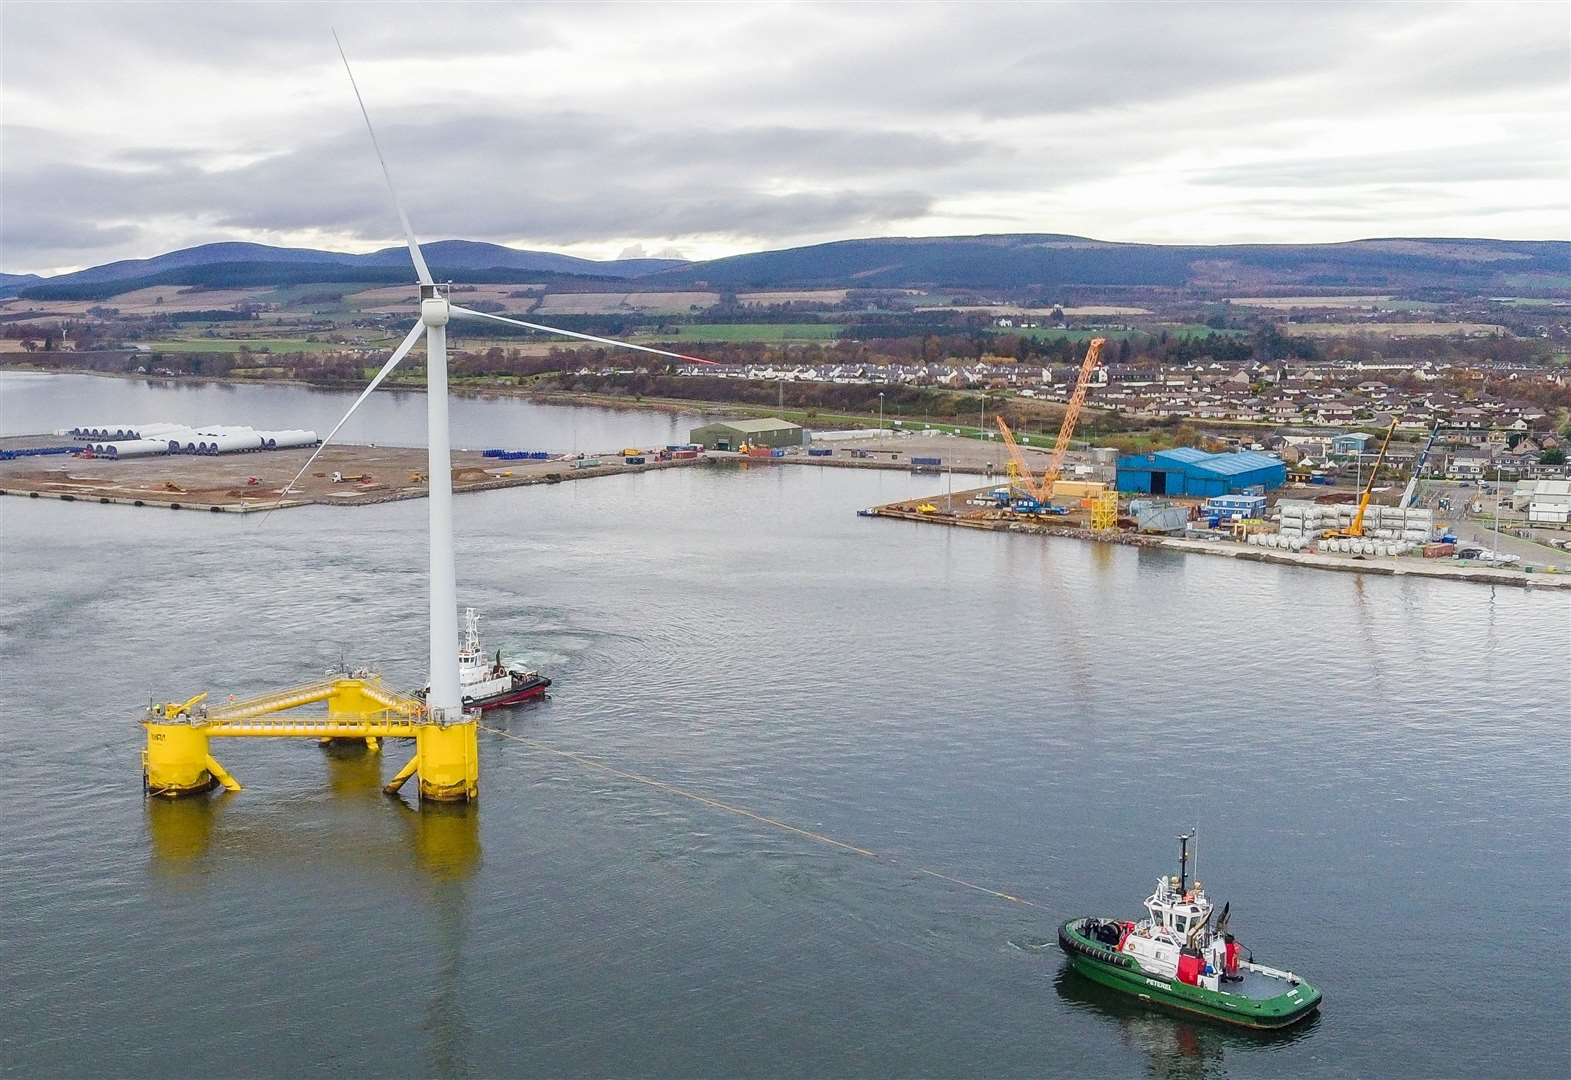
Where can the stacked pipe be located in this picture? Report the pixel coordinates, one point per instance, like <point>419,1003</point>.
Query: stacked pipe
<point>129,448</point>
<point>1383,523</point>
<point>136,440</point>
<point>283,440</point>
<point>121,432</point>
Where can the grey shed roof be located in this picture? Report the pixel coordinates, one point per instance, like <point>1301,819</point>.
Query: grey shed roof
<point>767,424</point>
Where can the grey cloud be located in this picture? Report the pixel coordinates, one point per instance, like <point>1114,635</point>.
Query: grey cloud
<point>561,179</point>
<point>46,232</point>
<point>1454,164</point>
<point>276,36</point>
<point>1020,60</point>
<point>770,123</point>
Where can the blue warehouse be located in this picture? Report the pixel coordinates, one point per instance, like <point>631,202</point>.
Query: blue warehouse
<point>1185,471</point>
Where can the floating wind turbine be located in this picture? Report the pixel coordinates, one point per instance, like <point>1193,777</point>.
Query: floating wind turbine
<point>443,699</point>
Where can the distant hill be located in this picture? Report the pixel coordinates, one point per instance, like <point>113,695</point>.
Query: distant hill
<point>457,255</point>
<point>998,262</point>
<point>239,275</point>
<point>1052,260</point>
<point>10,283</point>
<point>455,258</point>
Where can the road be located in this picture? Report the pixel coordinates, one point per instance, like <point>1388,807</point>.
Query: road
<point>1480,528</point>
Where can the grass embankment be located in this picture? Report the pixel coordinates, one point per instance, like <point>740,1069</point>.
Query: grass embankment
<point>234,345</point>
<point>743,332</point>
<point>1178,330</point>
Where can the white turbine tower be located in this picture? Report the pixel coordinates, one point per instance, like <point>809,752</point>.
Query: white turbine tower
<point>443,699</point>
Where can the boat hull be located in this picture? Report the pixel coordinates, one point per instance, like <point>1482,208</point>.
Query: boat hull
<point>533,689</point>
<point>1123,973</point>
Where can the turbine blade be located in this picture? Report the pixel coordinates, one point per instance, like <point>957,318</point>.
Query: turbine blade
<point>421,270</point>
<point>456,310</point>
<point>398,354</point>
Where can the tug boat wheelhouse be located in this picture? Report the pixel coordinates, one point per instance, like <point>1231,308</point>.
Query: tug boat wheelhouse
<point>485,682</point>
<point>1176,959</point>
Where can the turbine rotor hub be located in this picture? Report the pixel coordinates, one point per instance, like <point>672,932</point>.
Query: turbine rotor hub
<point>433,306</point>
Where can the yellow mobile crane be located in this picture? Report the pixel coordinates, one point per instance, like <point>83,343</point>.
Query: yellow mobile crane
<point>1356,529</point>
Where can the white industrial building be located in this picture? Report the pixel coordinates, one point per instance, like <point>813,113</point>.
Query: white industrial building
<point>1548,502</point>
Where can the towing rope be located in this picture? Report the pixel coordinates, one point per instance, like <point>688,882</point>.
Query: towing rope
<point>820,838</point>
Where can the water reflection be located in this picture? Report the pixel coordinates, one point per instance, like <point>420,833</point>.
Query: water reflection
<point>446,842</point>
<point>1104,558</point>
<point>439,843</point>
<point>1368,629</point>
<point>1176,1048</point>
<point>352,768</point>
<point>180,831</point>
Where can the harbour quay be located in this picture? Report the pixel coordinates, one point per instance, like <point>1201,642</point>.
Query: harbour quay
<point>343,474</point>
<point>1184,525</point>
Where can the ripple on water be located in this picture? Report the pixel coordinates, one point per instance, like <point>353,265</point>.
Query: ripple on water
<point>1377,768</point>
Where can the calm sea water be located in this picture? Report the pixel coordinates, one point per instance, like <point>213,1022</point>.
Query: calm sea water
<point>1378,768</point>
<point>31,403</point>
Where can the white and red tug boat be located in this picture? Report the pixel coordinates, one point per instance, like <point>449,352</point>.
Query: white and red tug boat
<point>486,682</point>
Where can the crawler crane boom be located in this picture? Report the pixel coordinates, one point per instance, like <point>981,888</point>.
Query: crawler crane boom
<point>1072,415</point>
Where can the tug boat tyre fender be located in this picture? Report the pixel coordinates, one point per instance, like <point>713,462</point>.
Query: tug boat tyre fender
<point>1073,944</point>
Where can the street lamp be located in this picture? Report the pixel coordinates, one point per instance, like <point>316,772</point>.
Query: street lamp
<point>1498,481</point>
<point>880,410</point>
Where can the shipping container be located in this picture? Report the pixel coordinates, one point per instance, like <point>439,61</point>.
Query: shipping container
<point>1078,489</point>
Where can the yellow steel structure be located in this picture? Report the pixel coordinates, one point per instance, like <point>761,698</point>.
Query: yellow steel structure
<point>178,761</point>
<point>1104,511</point>
<point>1356,528</point>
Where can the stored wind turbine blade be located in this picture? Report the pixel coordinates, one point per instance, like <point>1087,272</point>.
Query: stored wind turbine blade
<point>398,354</point>
<point>421,270</point>
<point>456,310</point>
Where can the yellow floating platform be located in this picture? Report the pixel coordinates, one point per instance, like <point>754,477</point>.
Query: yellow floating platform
<point>178,759</point>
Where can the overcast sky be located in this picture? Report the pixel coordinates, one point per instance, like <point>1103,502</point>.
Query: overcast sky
<point>133,129</point>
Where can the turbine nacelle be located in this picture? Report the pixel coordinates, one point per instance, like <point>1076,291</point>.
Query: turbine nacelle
<point>434,308</point>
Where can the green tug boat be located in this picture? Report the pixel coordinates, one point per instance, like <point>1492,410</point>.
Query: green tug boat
<point>1175,959</point>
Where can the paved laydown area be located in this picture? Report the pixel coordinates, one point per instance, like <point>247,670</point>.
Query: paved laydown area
<point>370,474</point>
<point>242,482</point>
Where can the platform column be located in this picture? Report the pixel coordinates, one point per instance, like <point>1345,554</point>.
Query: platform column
<point>177,762</point>
<point>448,761</point>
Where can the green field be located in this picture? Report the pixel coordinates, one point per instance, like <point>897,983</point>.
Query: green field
<point>1536,281</point>
<point>234,345</point>
<point>1408,305</point>
<point>746,332</point>
<point>1182,330</point>
<point>1528,301</point>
